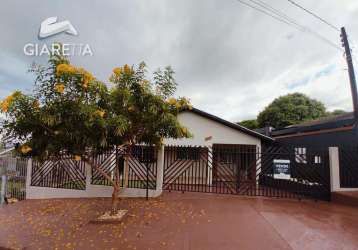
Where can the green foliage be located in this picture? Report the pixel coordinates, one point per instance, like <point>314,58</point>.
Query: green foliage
<point>250,124</point>
<point>2,144</point>
<point>336,112</point>
<point>290,109</point>
<point>71,111</point>
<point>165,82</point>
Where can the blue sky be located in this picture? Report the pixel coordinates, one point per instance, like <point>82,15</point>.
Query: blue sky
<point>306,79</point>
<point>229,60</point>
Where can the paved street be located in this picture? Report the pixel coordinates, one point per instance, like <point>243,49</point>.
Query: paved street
<point>180,221</point>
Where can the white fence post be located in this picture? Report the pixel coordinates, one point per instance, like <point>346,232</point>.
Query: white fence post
<point>3,189</point>
<point>258,158</point>
<point>88,171</point>
<point>126,173</point>
<point>160,169</point>
<point>28,178</point>
<point>334,168</point>
<point>209,178</point>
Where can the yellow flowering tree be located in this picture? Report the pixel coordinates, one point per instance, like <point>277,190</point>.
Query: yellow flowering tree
<point>71,111</point>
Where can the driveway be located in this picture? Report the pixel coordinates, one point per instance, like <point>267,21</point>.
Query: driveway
<point>180,221</point>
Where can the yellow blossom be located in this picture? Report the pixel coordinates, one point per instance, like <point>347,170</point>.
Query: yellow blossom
<point>65,69</point>
<point>99,113</point>
<point>184,102</point>
<point>59,87</point>
<point>172,101</point>
<point>117,71</point>
<point>85,84</point>
<point>25,149</point>
<point>6,103</point>
<point>178,105</point>
<point>81,70</point>
<point>131,108</point>
<point>36,104</point>
<point>87,78</point>
<point>145,82</point>
<point>77,157</point>
<point>184,130</point>
<point>190,107</point>
<point>127,70</point>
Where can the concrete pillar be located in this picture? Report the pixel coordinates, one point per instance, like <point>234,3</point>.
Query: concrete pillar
<point>258,159</point>
<point>88,169</point>
<point>126,173</point>
<point>3,189</point>
<point>334,168</point>
<point>160,168</point>
<point>209,178</point>
<point>28,177</point>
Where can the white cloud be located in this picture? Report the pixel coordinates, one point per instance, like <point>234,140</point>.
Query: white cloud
<point>230,60</point>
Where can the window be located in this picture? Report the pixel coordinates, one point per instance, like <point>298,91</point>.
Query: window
<point>227,157</point>
<point>188,153</point>
<point>144,153</point>
<point>300,155</point>
<point>317,159</point>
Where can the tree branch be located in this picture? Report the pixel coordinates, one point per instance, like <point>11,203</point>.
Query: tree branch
<point>99,169</point>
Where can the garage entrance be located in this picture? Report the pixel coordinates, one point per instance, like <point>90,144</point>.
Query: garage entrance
<point>246,170</point>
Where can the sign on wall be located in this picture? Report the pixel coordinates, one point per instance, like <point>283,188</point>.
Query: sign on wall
<point>281,169</point>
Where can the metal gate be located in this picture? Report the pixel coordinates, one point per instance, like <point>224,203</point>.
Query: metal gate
<point>13,177</point>
<point>140,168</point>
<point>348,166</point>
<point>245,170</point>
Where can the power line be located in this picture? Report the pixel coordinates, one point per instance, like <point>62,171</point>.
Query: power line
<point>293,21</point>
<point>282,17</point>
<point>264,12</point>
<point>276,11</point>
<point>315,15</point>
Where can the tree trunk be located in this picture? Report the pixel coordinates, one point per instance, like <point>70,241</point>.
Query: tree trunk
<point>116,187</point>
<point>115,200</point>
<point>115,183</point>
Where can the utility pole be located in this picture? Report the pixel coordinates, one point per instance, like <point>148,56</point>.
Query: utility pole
<point>352,78</point>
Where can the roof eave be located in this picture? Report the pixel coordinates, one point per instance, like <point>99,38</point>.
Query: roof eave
<point>230,124</point>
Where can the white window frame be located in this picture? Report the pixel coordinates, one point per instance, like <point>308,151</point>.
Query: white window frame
<point>317,159</point>
<point>300,155</point>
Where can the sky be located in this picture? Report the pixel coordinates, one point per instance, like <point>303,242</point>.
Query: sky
<point>229,59</point>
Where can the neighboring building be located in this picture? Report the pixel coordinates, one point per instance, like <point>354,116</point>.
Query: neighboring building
<point>326,132</point>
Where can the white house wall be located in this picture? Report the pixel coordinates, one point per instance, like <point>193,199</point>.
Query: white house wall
<point>203,128</point>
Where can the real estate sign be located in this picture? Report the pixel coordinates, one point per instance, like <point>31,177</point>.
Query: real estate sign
<point>281,169</point>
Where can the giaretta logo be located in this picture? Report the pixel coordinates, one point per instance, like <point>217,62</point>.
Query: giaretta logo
<point>51,27</point>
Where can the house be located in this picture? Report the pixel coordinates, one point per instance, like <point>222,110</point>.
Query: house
<point>192,162</point>
<point>220,157</point>
<point>210,130</point>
